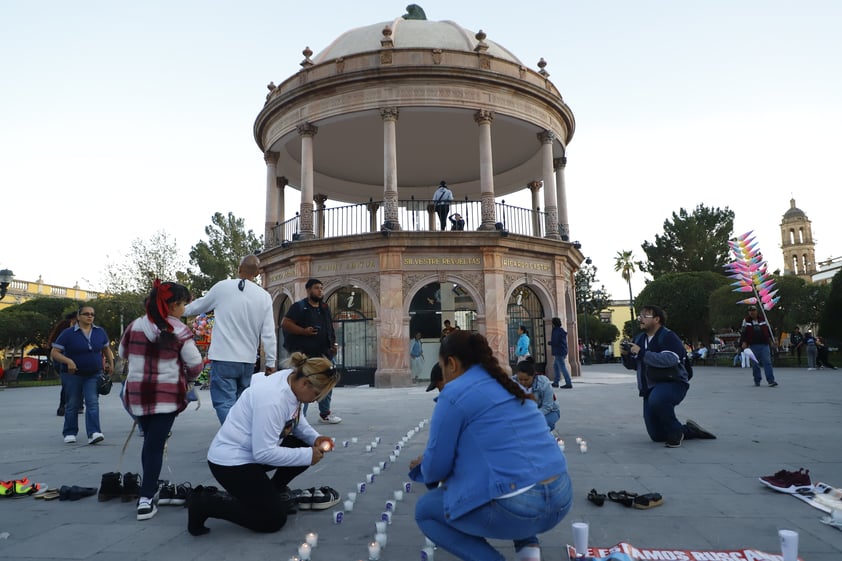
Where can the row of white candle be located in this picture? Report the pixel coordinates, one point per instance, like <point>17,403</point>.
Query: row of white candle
<point>581,442</point>
<point>380,538</point>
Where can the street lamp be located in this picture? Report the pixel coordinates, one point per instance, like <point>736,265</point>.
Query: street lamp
<point>6,277</point>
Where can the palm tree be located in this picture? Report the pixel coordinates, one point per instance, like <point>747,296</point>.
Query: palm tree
<point>624,263</point>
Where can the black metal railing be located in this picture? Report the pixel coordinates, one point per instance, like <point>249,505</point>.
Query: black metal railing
<point>415,215</point>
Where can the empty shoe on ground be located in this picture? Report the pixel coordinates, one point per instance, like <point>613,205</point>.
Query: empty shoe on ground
<point>788,481</point>
<point>131,487</point>
<point>111,486</point>
<point>75,492</point>
<point>695,430</point>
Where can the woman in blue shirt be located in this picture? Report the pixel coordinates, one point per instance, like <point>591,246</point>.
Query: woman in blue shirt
<point>522,348</point>
<point>502,474</point>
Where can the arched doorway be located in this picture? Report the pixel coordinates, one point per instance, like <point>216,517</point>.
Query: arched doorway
<point>353,320</point>
<point>524,308</point>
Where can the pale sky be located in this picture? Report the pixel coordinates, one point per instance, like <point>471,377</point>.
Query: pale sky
<point>119,119</point>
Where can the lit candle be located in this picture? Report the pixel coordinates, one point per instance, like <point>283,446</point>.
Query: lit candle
<point>374,551</point>
<point>294,558</point>
<point>312,539</point>
<point>381,539</point>
<point>304,552</point>
<point>583,447</point>
<point>380,526</point>
<point>326,446</point>
<point>578,440</point>
<point>349,506</point>
<point>398,495</point>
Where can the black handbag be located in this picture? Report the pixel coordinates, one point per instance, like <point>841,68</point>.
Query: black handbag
<point>103,384</point>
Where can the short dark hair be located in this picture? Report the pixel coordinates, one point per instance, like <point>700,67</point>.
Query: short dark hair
<point>311,282</point>
<point>657,311</point>
<point>556,322</point>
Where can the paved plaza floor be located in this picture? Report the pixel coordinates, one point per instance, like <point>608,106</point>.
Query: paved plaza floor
<point>712,498</point>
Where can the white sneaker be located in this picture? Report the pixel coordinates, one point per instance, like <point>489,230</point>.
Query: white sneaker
<point>70,439</point>
<point>146,508</point>
<point>330,419</point>
<point>97,437</point>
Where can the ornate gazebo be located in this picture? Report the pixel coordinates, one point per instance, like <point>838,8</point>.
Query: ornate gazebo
<point>375,121</point>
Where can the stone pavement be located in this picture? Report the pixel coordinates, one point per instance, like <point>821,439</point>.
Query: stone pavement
<point>713,499</point>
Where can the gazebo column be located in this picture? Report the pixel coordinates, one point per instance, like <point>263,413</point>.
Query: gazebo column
<point>550,203</point>
<point>535,186</point>
<point>372,215</point>
<point>320,214</point>
<point>390,168</point>
<point>486,169</point>
<point>280,199</point>
<point>561,197</point>
<point>271,239</point>
<point>307,132</point>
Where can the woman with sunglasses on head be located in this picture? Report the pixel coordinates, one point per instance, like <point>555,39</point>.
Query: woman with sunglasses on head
<point>84,350</point>
<point>265,431</point>
<point>503,475</point>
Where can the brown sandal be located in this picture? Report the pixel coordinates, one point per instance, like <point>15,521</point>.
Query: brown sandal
<point>649,500</point>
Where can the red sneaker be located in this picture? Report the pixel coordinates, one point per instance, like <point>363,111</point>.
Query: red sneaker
<point>788,481</point>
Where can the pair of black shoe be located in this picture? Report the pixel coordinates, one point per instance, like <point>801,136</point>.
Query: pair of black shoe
<point>126,487</point>
<point>75,492</point>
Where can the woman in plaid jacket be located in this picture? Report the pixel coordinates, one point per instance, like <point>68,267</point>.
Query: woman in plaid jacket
<point>163,363</point>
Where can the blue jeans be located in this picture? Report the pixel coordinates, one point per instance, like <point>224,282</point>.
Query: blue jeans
<point>76,388</point>
<point>324,405</point>
<point>552,418</point>
<point>764,357</point>
<point>560,368</point>
<point>659,411</point>
<point>227,381</point>
<point>156,430</point>
<point>519,518</point>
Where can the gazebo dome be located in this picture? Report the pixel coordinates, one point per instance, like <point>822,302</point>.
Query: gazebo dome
<point>410,34</point>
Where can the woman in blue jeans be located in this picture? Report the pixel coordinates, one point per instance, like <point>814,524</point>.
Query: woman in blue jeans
<point>494,469</point>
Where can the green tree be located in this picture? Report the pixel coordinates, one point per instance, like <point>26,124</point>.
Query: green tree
<point>21,328</point>
<point>156,257</point>
<point>114,312</point>
<point>589,299</point>
<point>830,322</point>
<point>219,257</point>
<point>691,242</point>
<point>685,298</point>
<point>624,264</point>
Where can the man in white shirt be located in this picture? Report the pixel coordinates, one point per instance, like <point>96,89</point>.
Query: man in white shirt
<point>441,199</point>
<point>243,319</point>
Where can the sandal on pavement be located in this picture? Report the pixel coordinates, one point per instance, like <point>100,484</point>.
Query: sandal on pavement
<point>596,497</point>
<point>649,500</point>
<point>623,497</point>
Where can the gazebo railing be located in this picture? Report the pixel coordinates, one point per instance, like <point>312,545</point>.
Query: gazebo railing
<point>414,215</point>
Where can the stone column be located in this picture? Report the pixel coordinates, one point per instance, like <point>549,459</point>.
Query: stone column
<point>307,132</point>
<point>431,217</point>
<point>270,238</point>
<point>493,324</point>
<point>561,198</point>
<point>320,208</point>
<point>535,186</point>
<point>483,118</point>
<point>550,203</point>
<point>392,356</point>
<point>280,204</point>
<point>372,216</point>
<point>390,168</point>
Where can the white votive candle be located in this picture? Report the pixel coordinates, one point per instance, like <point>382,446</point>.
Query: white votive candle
<point>312,539</point>
<point>578,440</point>
<point>390,506</point>
<point>360,488</point>
<point>392,458</point>
<point>369,478</point>
<point>354,439</point>
<point>304,552</point>
<point>398,495</point>
<point>349,506</point>
<point>381,539</point>
<point>375,470</point>
<point>368,447</point>
<point>380,526</point>
<point>374,551</point>
<point>352,496</point>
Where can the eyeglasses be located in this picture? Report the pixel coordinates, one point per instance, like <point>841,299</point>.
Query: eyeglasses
<point>87,314</point>
<point>644,317</point>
